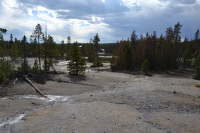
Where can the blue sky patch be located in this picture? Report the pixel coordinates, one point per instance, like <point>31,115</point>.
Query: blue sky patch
<point>35,12</point>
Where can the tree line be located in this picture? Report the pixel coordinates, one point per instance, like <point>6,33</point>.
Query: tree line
<point>149,52</point>
<point>162,52</point>
<point>43,47</point>
<point>35,47</point>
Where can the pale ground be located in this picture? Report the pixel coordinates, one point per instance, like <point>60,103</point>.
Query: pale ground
<point>103,102</point>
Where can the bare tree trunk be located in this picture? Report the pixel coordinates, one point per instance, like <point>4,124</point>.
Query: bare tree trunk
<point>36,88</point>
<point>39,54</point>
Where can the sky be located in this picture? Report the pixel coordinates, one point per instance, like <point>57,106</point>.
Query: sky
<point>111,19</point>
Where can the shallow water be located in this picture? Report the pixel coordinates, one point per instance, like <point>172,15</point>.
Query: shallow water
<point>12,120</point>
<point>63,63</point>
<point>198,86</point>
<point>49,98</point>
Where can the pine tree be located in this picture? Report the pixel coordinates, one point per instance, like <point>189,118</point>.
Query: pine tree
<point>134,40</point>
<point>39,35</point>
<point>77,64</point>
<point>96,41</point>
<point>2,31</point>
<point>50,52</point>
<point>24,49</point>
<point>91,51</point>
<point>10,41</point>
<point>68,48</point>
<point>62,49</point>
<point>128,56</point>
<point>14,52</point>
<point>197,40</point>
<point>197,60</point>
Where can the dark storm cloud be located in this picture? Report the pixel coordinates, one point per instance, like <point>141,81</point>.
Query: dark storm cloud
<point>80,9</point>
<point>112,18</point>
<point>187,2</point>
<point>155,19</point>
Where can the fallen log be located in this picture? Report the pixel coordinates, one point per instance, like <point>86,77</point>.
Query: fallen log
<point>35,88</point>
<point>15,81</point>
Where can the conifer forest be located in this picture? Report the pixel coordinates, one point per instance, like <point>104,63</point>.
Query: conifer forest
<point>146,52</point>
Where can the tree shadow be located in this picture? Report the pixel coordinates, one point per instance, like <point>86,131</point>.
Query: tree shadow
<point>77,78</point>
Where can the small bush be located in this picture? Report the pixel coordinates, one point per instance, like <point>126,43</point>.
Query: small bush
<point>35,67</point>
<point>145,66</point>
<point>112,62</point>
<point>59,79</point>
<point>97,64</point>
<point>197,73</point>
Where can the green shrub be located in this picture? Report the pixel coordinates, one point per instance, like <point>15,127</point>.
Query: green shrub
<point>112,63</point>
<point>128,58</point>
<point>6,71</point>
<point>197,73</point>
<point>35,67</point>
<point>96,64</point>
<point>145,66</point>
<point>59,79</point>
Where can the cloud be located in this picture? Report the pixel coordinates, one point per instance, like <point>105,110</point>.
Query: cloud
<point>185,2</point>
<point>112,19</point>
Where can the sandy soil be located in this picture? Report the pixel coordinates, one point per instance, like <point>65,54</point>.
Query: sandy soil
<point>103,102</point>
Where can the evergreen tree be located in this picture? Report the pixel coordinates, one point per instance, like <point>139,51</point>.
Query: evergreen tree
<point>77,64</point>
<point>10,41</point>
<point>128,56</point>
<point>62,49</point>
<point>197,40</point>
<point>3,44</point>
<point>68,48</point>
<point>6,70</point>
<point>2,31</point>
<point>134,40</point>
<point>96,41</point>
<point>187,56</point>
<point>39,35</point>
<point>197,60</point>
<point>24,49</point>
<point>35,67</point>
<point>91,51</point>
<point>14,52</point>
<point>196,35</point>
<point>50,52</point>
<point>69,40</point>
<point>34,47</point>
